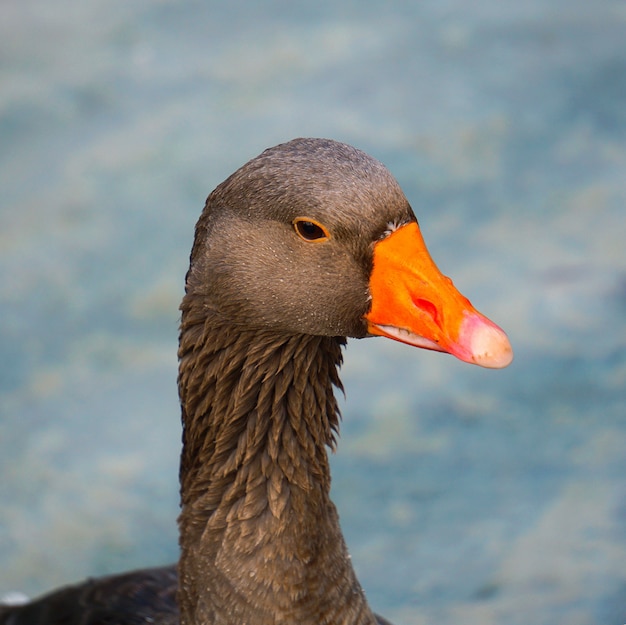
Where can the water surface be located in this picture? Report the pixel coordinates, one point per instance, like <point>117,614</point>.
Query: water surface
<point>466,495</point>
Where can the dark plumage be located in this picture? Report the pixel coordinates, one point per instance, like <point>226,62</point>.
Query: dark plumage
<point>281,271</point>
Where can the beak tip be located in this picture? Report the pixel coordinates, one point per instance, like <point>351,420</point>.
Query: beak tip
<point>489,345</point>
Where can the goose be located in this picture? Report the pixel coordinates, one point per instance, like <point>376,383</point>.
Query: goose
<point>307,244</point>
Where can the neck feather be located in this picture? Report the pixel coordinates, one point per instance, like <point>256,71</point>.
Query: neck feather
<point>260,538</point>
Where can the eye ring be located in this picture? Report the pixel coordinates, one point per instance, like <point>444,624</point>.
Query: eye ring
<point>310,230</point>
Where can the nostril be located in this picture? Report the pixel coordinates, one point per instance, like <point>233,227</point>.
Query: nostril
<point>428,307</point>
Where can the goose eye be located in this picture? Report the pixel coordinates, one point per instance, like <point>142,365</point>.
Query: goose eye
<point>310,230</point>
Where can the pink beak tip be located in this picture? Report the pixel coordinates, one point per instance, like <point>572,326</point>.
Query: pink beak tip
<point>487,344</point>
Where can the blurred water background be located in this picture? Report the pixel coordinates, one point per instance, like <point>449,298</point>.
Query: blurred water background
<point>466,496</point>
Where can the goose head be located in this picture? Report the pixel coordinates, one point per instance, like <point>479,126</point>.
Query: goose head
<point>316,237</point>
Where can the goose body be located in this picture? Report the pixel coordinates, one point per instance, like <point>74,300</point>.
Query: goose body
<point>309,243</point>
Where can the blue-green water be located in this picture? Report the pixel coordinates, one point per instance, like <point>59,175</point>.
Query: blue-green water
<point>466,496</point>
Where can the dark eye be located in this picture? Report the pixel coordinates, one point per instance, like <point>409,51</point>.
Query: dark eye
<point>310,230</point>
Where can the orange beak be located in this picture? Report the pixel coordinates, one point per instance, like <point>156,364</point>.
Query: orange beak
<point>413,302</point>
